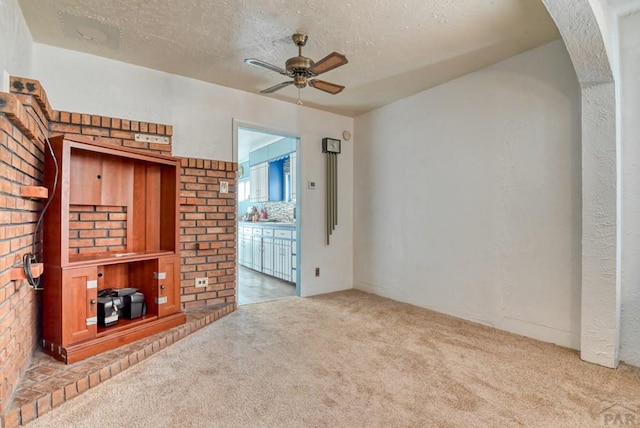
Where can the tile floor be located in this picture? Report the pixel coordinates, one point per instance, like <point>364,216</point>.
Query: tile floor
<point>256,287</point>
<point>48,383</point>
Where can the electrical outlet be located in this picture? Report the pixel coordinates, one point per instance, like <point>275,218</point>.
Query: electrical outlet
<point>202,282</point>
<point>224,187</point>
<point>147,138</point>
<point>317,271</point>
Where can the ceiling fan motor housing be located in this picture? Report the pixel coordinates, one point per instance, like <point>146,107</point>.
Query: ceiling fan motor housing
<point>298,65</point>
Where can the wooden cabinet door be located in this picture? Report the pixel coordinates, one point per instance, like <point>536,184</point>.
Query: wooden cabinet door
<point>168,285</point>
<point>79,304</point>
<point>96,179</point>
<point>85,178</point>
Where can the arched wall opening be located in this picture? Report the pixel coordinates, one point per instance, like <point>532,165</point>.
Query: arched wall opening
<point>582,34</point>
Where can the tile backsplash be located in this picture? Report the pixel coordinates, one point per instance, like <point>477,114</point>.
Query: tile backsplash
<point>281,211</point>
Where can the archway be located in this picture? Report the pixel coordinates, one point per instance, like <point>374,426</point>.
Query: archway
<point>583,38</point>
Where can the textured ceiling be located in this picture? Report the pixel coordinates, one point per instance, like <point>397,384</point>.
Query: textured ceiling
<point>395,48</point>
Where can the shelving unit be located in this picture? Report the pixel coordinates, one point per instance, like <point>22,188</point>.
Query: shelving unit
<point>112,223</point>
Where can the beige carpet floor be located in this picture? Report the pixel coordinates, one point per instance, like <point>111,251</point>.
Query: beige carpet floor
<point>351,359</point>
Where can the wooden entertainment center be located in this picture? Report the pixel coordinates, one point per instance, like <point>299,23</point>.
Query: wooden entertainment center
<point>113,223</point>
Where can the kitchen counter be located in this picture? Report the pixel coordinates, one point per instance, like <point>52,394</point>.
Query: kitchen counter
<point>273,224</point>
<point>268,247</point>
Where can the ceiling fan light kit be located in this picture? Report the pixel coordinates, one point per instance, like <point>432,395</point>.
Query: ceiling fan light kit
<point>303,70</point>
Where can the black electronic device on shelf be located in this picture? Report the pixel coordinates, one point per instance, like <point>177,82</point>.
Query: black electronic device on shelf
<point>113,304</point>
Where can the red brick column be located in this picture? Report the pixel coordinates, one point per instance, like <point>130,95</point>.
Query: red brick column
<point>208,232</point>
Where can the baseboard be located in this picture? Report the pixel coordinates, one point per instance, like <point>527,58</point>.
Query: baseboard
<point>325,289</point>
<point>540,332</point>
<point>383,292</point>
<point>543,333</point>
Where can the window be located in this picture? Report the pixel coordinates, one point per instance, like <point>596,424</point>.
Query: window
<point>244,190</point>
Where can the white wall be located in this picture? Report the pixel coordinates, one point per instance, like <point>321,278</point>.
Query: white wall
<point>629,93</point>
<point>468,199</point>
<point>583,25</point>
<point>15,43</point>
<point>202,116</point>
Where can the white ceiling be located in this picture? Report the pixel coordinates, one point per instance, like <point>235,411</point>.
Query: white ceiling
<point>250,140</point>
<point>395,48</point>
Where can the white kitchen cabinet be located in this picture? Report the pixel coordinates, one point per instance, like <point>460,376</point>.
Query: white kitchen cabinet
<point>267,253</point>
<point>282,259</point>
<point>282,254</point>
<point>259,177</point>
<point>256,253</point>
<point>293,168</point>
<point>294,261</point>
<point>245,249</point>
<point>269,250</point>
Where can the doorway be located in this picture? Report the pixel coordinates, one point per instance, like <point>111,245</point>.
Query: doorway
<point>267,208</point>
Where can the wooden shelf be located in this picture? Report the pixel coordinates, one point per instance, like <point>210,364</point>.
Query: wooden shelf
<point>89,348</point>
<point>18,274</point>
<point>114,258</point>
<point>131,199</point>
<point>125,324</point>
<point>34,192</point>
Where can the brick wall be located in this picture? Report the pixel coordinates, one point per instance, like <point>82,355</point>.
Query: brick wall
<point>21,164</point>
<point>110,130</point>
<point>208,232</point>
<point>208,220</point>
<point>97,229</point>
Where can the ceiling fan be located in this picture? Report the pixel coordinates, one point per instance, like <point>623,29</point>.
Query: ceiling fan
<point>303,70</point>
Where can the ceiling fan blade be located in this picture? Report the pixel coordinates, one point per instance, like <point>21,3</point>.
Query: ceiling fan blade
<point>329,62</point>
<point>262,64</point>
<point>331,88</point>
<point>276,87</point>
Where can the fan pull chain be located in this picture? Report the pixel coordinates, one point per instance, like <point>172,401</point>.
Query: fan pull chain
<point>299,102</point>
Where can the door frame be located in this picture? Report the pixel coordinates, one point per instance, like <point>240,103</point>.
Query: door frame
<point>236,123</point>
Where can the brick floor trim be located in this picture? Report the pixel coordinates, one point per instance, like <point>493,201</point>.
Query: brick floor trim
<point>48,383</point>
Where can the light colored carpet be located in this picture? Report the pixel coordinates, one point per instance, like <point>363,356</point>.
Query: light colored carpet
<point>352,359</point>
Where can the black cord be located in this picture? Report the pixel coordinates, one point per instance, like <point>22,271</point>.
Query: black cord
<point>31,257</point>
<point>27,259</point>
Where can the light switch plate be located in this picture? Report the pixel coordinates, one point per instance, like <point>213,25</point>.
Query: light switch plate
<point>311,184</point>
